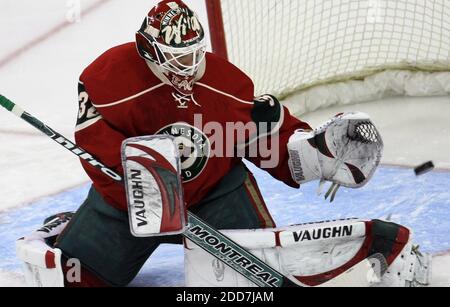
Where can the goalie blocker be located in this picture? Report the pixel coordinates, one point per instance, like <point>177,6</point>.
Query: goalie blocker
<point>153,184</point>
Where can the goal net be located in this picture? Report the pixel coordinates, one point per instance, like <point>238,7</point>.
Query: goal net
<point>288,46</point>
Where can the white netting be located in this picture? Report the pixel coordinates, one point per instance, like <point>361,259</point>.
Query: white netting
<point>290,45</point>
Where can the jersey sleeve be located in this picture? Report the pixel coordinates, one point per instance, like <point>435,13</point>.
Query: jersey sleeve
<point>266,145</point>
<point>275,127</point>
<point>98,138</point>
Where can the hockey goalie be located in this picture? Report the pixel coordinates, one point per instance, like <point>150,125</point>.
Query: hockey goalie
<point>158,112</point>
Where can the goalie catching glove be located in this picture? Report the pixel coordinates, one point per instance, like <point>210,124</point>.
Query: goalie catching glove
<point>345,151</point>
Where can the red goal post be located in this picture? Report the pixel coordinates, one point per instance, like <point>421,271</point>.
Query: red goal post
<point>216,28</point>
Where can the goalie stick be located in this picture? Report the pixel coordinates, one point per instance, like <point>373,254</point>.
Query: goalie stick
<point>58,138</point>
<point>199,232</point>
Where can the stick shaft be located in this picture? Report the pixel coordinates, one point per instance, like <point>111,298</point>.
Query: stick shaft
<point>58,138</point>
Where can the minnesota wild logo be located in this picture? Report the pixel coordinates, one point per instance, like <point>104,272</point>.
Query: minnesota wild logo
<point>194,148</point>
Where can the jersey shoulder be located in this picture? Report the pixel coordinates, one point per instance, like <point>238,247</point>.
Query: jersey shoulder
<point>117,74</point>
<point>223,76</point>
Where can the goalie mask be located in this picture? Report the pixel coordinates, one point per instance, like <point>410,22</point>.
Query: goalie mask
<point>172,37</point>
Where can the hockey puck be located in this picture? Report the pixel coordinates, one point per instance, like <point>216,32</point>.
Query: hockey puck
<point>424,168</point>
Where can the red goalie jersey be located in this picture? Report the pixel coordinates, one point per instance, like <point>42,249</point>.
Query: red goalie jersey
<point>122,96</point>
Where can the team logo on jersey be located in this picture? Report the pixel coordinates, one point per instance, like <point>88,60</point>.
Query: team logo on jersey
<point>194,148</point>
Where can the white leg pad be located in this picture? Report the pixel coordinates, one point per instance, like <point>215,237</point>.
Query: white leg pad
<point>409,270</point>
<point>41,263</point>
